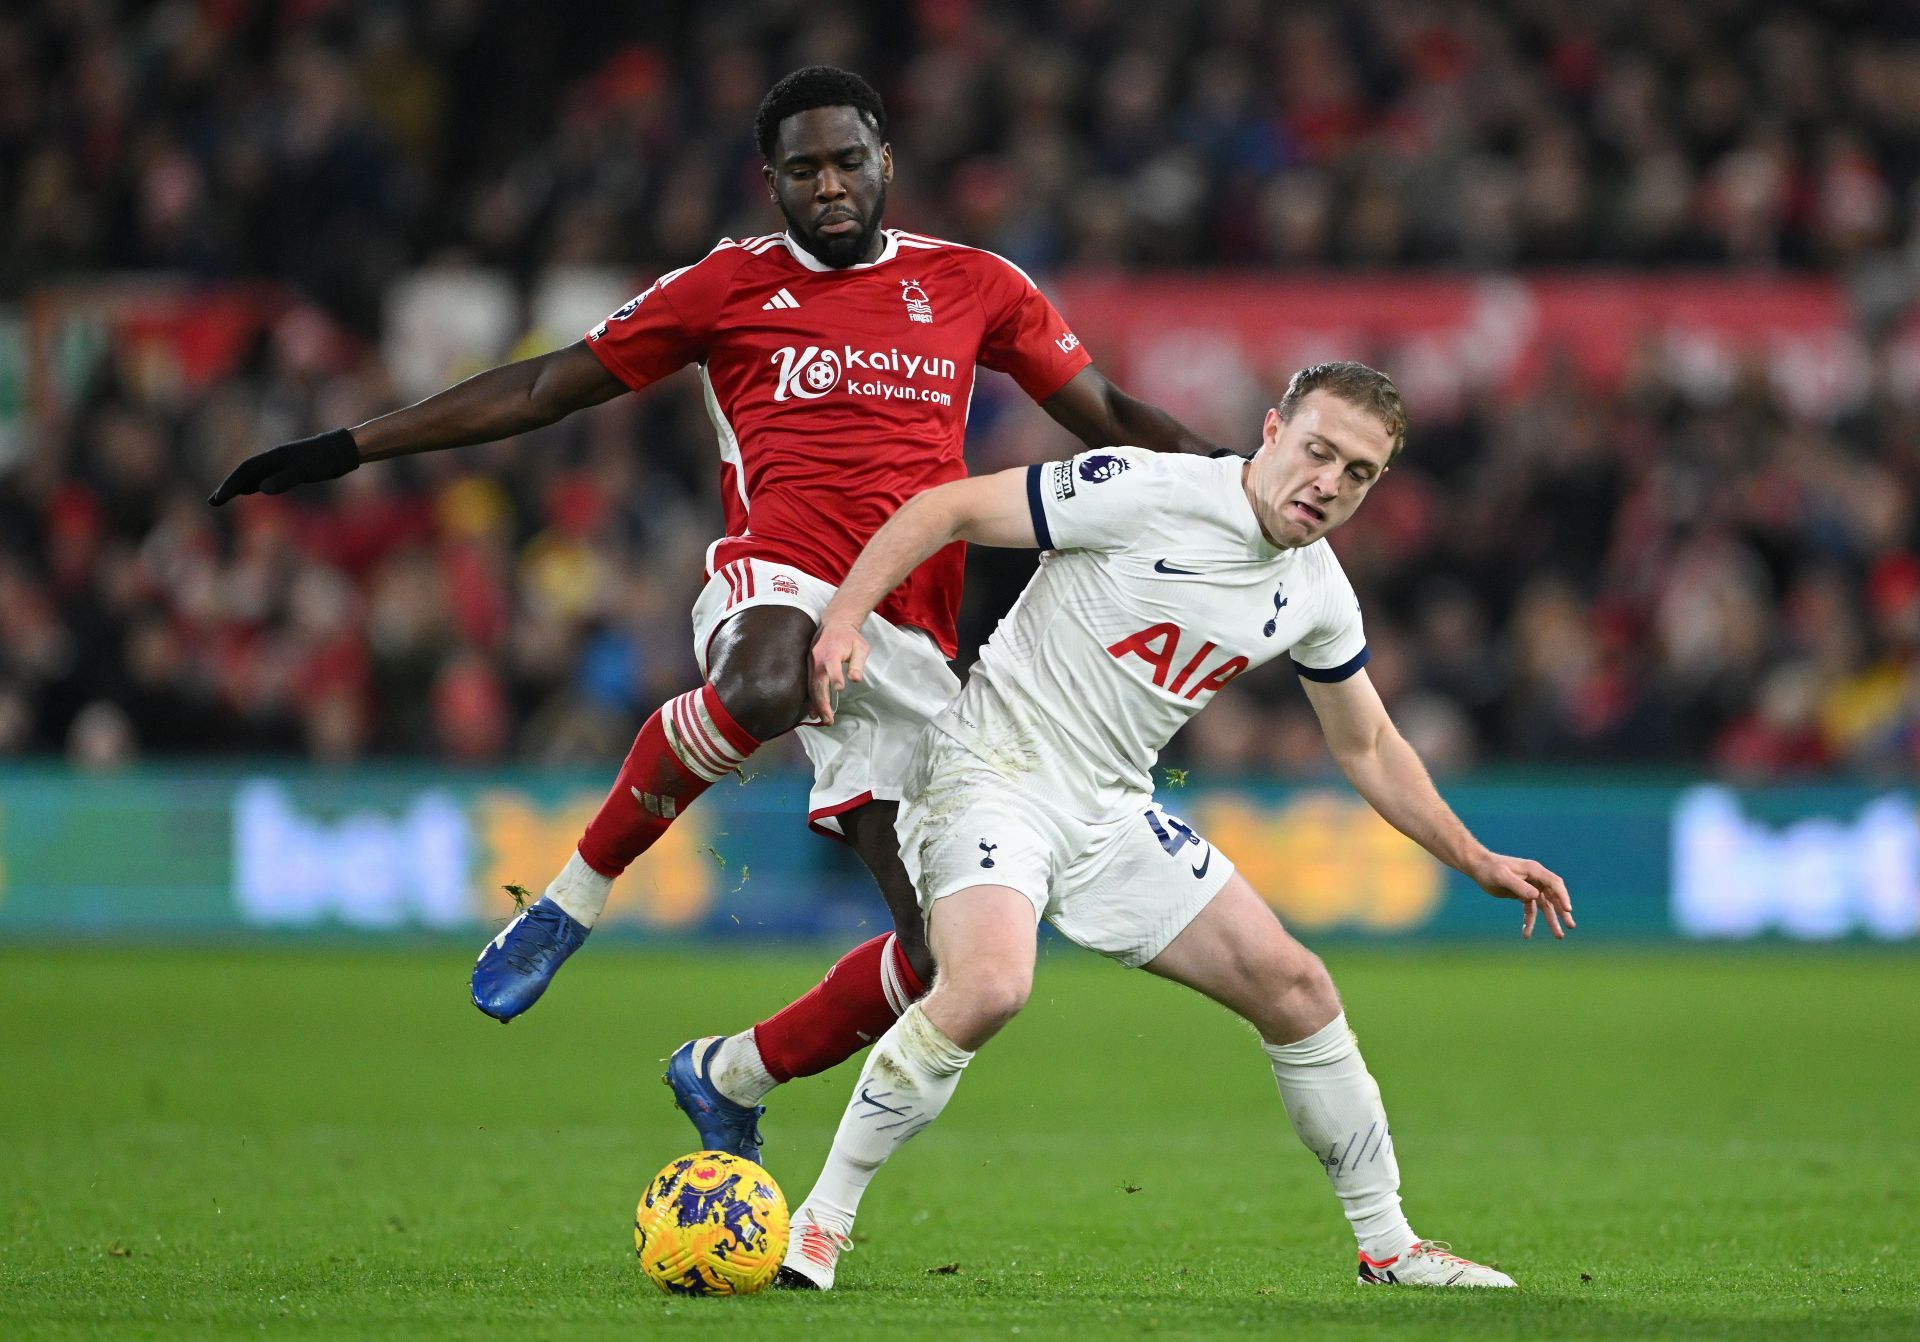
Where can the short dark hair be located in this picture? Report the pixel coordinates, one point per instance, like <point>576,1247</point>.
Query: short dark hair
<point>1356,384</point>
<point>811,87</point>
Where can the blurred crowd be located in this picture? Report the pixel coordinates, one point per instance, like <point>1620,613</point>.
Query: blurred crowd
<point>1609,575</point>
<point>526,598</point>
<point>1634,577</point>
<point>338,143</point>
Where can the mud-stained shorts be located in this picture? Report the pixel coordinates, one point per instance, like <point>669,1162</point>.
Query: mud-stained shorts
<point>1124,886</point>
<point>866,753</point>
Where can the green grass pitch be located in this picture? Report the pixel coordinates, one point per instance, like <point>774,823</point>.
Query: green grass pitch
<point>332,1143</point>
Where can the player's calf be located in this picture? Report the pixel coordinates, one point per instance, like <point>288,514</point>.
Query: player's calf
<point>909,1076</point>
<point>858,1001</point>
<point>689,743</point>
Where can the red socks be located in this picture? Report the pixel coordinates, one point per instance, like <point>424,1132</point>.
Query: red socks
<point>689,744</point>
<point>684,748</point>
<point>856,1003</point>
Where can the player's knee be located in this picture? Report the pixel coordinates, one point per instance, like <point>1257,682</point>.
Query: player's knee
<point>1283,990</point>
<point>766,703</point>
<point>998,997</point>
<point>984,997</point>
<point>1310,977</point>
<point>1300,983</point>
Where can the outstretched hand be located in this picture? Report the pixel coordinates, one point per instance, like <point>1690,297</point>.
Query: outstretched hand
<point>324,456</point>
<point>839,655</point>
<point>1533,885</point>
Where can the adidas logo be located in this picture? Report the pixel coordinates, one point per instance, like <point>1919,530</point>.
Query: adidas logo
<point>783,299</point>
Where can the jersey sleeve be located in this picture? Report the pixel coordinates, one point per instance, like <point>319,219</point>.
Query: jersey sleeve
<point>1099,500</point>
<point>1025,337</point>
<point>1336,646</point>
<point>668,326</point>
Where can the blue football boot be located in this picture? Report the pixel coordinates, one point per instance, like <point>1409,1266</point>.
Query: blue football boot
<point>516,966</point>
<point>722,1124</point>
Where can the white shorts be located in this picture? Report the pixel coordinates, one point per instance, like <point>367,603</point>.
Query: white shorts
<point>1125,886</point>
<point>867,752</point>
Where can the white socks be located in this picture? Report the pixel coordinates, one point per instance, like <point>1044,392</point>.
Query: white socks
<point>1335,1109</point>
<point>580,891</point>
<point>910,1075</point>
<point>738,1071</point>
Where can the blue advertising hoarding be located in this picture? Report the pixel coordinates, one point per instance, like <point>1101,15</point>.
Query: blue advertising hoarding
<point>185,852</point>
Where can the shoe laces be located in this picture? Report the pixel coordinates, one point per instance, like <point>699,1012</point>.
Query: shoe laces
<point>1439,1248</point>
<point>823,1246</point>
<point>528,961</point>
<point>528,954</point>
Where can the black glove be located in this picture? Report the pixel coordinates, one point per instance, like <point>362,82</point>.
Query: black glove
<point>325,456</point>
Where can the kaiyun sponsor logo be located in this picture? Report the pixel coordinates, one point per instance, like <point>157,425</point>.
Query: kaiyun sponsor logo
<point>808,372</point>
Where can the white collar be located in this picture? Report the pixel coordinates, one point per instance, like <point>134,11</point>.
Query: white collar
<point>812,262</point>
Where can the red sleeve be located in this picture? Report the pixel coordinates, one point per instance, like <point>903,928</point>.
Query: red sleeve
<point>667,327</point>
<point>1026,339</point>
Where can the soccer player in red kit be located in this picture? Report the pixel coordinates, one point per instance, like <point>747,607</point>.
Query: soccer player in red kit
<point>837,361</point>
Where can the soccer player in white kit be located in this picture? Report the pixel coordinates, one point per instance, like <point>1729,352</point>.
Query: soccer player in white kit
<point>1031,795</point>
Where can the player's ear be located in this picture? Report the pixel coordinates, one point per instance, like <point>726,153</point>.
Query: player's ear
<point>886,163</point>
<point>766,175</point>
<point>1270,427</point>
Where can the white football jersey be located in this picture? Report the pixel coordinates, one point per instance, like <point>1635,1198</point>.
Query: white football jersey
<point>1157,589</point>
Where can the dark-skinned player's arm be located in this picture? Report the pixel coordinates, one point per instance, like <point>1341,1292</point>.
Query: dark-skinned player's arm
<point>498,403</point>
<point>1099,414</point>
<point>985,509</point>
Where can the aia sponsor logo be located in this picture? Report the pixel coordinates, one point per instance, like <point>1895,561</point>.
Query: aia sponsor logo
<point>1159,647</point>
<point>1098,469</point>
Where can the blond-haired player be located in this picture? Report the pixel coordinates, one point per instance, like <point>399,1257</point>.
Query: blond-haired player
<point>1031,795</point>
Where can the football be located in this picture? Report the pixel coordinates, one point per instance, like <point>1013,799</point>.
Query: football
<point>711,1224</point>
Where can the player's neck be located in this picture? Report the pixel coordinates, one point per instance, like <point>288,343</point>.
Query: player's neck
<point>876,248</point>
<point>1246,487</point>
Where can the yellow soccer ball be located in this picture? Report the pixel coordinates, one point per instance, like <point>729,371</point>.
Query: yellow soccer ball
<point>711,1224</point>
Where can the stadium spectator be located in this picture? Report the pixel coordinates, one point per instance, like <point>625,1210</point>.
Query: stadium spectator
<point>1723,579</point>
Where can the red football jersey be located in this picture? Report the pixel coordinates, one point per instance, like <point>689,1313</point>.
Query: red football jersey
<point>839,394</point>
